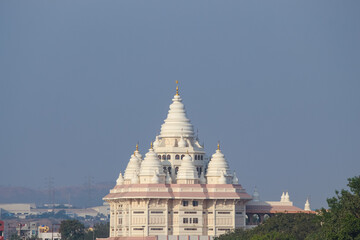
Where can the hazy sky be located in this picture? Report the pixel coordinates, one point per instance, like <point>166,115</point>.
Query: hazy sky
<point>277,82</point>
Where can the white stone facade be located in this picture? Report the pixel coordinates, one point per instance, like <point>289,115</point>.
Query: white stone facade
<point>176,190</point>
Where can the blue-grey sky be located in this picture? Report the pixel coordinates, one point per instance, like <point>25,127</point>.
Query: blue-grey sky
<point>277,82</point>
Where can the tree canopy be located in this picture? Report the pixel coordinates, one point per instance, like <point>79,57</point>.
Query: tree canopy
<point>71,230</point>
<point>340,221</point>
<point>281,226</point>
<point>100,230</point>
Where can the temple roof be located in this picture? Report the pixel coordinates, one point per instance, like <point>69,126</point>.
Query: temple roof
<point>177,124</point>
<point>218,165</point>
<point>187,170</point>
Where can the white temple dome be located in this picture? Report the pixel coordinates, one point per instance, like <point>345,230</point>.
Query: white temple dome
<point>132,168</point>
<point>218,165</point>
<point>156,142</point>
<point>150,164</point>
<point>307,205</point>
<point>120,180</point>
<point>187,169</point>
<point>177,124</point>
<point>138,154</point>
<point>256,195</point>
<point>182,142</point>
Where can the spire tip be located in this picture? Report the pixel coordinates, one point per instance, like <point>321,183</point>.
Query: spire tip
<point>177,87</point>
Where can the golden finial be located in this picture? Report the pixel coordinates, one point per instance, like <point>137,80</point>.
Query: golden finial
<point>177,87</point>
<point>218,146</point>
<point>151,145</point>
<point>137,147</point>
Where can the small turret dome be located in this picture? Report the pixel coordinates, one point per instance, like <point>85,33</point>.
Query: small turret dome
<point>138,154</point>
<point>187,169</point>
<point>182,142</point>
<point>156,142</point>
<point>202,178</point>
<point>256,195</point>
<point>155,178</point>
<point>218,165</point>
<point>132,168</point>
<point>120,180</point>
<point>235,180</point>
<point>282,197</point>
<point>307,205</point>
<point>168,178</point>
<point>150,164</point>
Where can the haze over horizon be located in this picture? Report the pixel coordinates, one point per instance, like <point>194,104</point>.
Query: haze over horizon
<point>277,82</point>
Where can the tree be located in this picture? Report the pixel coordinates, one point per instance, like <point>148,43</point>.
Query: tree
<point>342,219</point>
<point>100,230</point>
<point>279,227</point>
<point>71,230</point>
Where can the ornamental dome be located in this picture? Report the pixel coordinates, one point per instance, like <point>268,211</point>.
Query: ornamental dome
<point>155,178</point>
<point>182,142</point>
<point>177,124</point>
<point>202,178</point>
<point>167,178</point>
<point>150,164</point>
<point>187,169</point>
<point>132,168</point>
<point>235,180</point>
<point>307,205</point>
<point>120,180</point>
<point>218,165</point>
<point>256,195</point>
<point>138,154</point>
<point>156,142</point>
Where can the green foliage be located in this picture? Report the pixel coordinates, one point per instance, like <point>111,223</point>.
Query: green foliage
<point>279,227</point>
<point>14,236</point>
<point>340,222</point>
<point>71,230</point>
<point>342,219</point>
<point>100,230</point>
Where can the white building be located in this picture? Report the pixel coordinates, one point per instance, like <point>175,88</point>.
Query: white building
<point>176,190</point>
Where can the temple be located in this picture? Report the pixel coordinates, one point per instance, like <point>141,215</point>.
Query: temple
<point>176,190</point>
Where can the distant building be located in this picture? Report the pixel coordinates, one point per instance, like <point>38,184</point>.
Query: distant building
<point>20,210</point>
<point>258,211</point>
<point>27,230</point>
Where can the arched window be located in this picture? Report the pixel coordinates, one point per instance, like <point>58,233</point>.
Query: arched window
<point>195,157</point>
<point>159,156</point>
<point>164,169</point>
<point>266,217</point>
<point>169,170</point>
<point>164,157</point>
<point>168,157</point>
<point>201,157</point>
<point>182,156</point>
<point>256,218</point>
<point>177,157</point>
<point>176,170</point>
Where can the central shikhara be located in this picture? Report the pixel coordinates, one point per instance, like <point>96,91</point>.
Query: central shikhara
<point>176,189</point>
